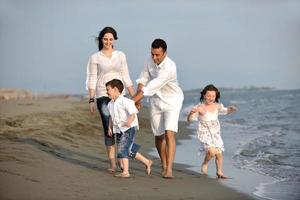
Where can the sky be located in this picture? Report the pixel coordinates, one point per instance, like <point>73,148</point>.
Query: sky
<point>45,45</point>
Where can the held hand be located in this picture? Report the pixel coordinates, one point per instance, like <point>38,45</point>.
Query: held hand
<point>139,105</point>
<point>92,107</point>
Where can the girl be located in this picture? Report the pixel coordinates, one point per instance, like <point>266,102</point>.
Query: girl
<point>209,127</point>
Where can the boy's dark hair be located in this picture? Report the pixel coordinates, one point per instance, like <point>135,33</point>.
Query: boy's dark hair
<point>210,87</point>
<point>159,43</point>
<point>115,83</point>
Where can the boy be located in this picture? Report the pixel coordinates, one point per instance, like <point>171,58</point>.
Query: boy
<point>123,121</point>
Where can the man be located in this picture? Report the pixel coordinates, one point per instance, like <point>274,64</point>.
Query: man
<point>159,82</point>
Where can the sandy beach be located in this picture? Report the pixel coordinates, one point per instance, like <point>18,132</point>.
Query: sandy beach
<point>52,148</point>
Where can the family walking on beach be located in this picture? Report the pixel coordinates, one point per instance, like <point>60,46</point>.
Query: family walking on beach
<point>108,75</point>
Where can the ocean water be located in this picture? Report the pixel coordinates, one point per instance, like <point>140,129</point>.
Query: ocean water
<point>262,152</point>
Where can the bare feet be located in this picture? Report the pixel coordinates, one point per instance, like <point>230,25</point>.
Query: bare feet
<point>148,167</point>
<point>163,172</point>
<point>111,170</point>
<point>120,166</point>
<point>204,169</point>
<point>221,176</point>
<point>168,175</point>
<point>123,175</point>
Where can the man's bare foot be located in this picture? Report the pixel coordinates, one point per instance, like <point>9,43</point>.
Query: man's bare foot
<point>204,169</point>
<point>148,167</point>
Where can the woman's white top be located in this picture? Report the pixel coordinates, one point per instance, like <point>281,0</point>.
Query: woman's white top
<point>101,69</point>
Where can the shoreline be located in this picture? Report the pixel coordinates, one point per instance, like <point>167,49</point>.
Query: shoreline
<point>255,181</point>
<point>53,148</point>
<point>252,187</point>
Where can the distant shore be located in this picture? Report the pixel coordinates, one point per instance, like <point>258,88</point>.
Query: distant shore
<point>52,148</point>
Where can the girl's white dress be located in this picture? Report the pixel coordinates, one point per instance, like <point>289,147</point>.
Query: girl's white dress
<point>208,132</point>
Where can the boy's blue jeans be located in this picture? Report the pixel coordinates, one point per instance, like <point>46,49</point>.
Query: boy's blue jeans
<point>126,147</point>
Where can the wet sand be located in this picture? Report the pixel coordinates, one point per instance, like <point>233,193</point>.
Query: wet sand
<point>52,148</point>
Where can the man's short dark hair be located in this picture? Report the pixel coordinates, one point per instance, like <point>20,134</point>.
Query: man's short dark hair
<point>159,43</point>
<point>115,83</point>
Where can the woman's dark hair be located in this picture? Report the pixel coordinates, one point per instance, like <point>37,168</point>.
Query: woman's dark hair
<point>115,83</point>
<point>159,43</point>
<point>210,87</point>
<point>103,32</point>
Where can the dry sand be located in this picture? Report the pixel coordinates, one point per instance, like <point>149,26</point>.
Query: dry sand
<point>52,148</point>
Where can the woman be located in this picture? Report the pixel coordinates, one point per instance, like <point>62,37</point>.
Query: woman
<point>103,66</point>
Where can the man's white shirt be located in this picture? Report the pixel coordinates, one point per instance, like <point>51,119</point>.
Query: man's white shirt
<point>160,82</point>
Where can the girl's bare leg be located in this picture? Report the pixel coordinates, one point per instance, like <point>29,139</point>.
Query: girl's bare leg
<point>219,165</point>
<point>208,157</point>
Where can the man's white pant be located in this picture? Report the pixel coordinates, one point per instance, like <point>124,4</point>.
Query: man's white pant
<point>163,117</point>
